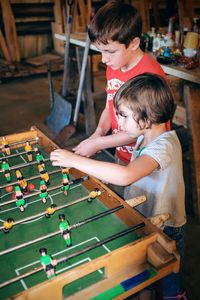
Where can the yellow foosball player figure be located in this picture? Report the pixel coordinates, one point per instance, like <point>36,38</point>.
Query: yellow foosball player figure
<point>18,174</point>
<point>95,193</point>
<point>48,263</point>
<point>6,169</point>
<point>20,202</point>
<point>43,191</point>
<point>41,168</point>
<point>24,185</point>
<point>8,225</point>
<point>45,176</point>
<point>22,181</point>
<point>6,147</point>
<point>43,173</point>
<point>50,211</point>
<point>65,229</point>
<point>29,151</point>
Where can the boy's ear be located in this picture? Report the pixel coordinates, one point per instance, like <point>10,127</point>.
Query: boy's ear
<point>135,43</point>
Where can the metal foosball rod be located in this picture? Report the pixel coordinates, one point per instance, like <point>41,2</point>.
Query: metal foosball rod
<point>21,142</point>
<point>88,197</point>
<point>75,254</point>
<point>44,212</point>
<point>18,154</point>
<point>74,226</point>
<point>12,155</point>
<point>73,183</point>
<point>29,179</point>
<point>133,201</point>
<point>28,164</point>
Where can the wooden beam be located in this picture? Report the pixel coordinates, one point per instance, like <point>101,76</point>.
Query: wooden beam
<point>10,30</point>
<point>4,47</point>
<point>191,98</point>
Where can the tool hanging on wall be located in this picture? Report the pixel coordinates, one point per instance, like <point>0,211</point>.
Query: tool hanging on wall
<point>61,108</point>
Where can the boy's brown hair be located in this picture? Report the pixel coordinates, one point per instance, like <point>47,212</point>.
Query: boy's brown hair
<point>115,21</point>
<point>149,97</point>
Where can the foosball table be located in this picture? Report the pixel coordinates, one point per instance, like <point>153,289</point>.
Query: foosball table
<point>107,250</point>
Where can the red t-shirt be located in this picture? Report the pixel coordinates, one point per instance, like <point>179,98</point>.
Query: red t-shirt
<point>116,78</point>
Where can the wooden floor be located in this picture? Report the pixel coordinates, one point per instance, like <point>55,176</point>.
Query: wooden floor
<point>25,102</point>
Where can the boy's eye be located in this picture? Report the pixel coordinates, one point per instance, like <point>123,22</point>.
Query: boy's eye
<point>109,51</point>
<point>122,114</point>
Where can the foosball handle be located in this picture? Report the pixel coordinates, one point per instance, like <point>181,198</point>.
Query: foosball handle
<point>136,201</point>
<point>159,220</point>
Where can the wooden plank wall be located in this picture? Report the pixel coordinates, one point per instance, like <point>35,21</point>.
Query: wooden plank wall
<point>31,22</point>
<point>36,21</point>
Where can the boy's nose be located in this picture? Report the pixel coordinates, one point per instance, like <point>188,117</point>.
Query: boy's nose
<point>104,58</point>
<point>120,123</point>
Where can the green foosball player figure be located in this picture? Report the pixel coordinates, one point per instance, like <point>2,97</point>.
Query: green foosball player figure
<point>20,202</point>
<point>6,169</point>
<point>65,229</point>
<point>43,191</point>
<point>48,263</point>
<point>65,181</point>
<point>39,157</point>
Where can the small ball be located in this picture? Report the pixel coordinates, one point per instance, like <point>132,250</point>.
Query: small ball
<point>31,187</point>
<point>9,188</point>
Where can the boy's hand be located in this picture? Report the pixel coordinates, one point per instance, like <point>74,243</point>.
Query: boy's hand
<point>87,148</point>
<point>62,158</point>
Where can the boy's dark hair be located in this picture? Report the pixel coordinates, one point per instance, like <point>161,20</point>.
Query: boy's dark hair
<point>115,21</point>
<point>149,97</point>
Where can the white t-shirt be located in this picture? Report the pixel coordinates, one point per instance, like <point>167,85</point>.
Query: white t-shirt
<point>164,188</point>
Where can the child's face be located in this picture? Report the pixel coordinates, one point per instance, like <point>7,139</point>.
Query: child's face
<point>127,123</point>
<point>116,55</point>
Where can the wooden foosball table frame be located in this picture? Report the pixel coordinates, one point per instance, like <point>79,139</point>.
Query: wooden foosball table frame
<point>153,250</point>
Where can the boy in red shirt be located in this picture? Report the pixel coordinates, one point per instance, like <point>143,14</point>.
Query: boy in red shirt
<point>116,30</point>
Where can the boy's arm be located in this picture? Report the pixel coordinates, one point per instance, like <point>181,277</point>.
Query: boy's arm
<point>98,140</point>
<point>92,145</point>
<point>109,172</point>
<point>88,147</point>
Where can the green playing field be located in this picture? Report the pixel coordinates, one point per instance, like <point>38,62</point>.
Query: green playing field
<point>18,262</point>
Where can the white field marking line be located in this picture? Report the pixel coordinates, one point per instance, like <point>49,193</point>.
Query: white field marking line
<point>17,271</point>
<point>60,271</point>
<point>22,281</point>
<point>75,264</point>
<point>36,219</point>
<point>21,157</point>
<point>27,204</point>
